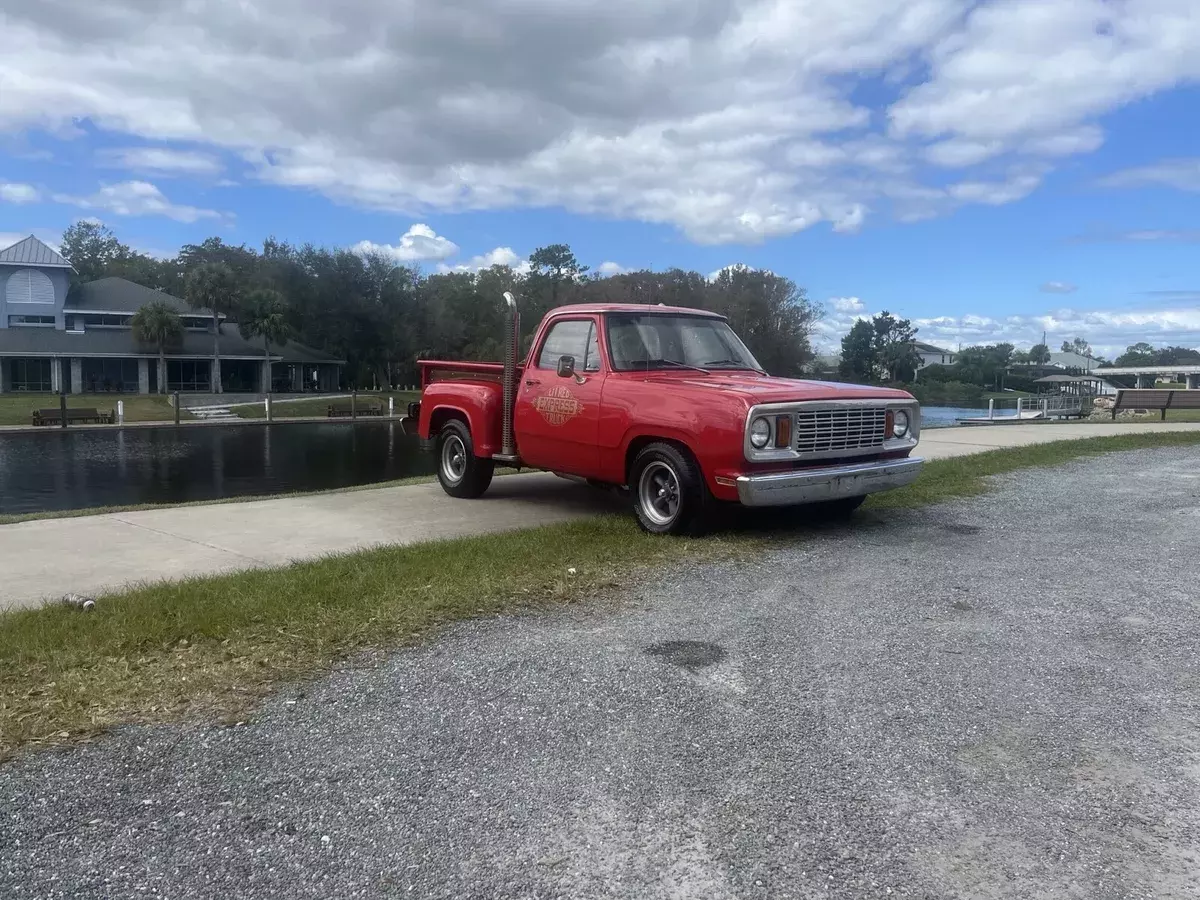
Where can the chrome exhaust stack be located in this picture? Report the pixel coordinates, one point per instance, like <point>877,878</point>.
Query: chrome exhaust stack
<point>512,350</point>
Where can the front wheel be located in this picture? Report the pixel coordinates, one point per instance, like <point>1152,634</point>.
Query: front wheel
<point>461,473</point>
<point>668,490</point>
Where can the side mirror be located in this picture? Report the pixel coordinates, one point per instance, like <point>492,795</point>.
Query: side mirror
<point>566,366</point>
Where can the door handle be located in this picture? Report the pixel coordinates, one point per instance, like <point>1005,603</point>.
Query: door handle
<point>531,381</point>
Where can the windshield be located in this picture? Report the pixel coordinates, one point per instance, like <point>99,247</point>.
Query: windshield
<point>669,342</point>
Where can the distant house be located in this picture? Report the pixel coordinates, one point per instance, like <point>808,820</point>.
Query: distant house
<point>84,343</point>
<point>1070,360</point>
<point>933,356</point>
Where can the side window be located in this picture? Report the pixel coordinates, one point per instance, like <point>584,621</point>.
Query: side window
<point>574,337</point>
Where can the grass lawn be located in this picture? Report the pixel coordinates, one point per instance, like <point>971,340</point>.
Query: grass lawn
<point>17,409</point>
<point>298,409</point>
<point>212,647</point>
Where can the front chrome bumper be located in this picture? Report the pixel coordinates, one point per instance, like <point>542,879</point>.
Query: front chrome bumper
<point>828,483</point>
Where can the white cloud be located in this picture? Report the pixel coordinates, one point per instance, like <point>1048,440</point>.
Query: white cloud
<point>1108,331</point>
<point>850,305</point>
<point>1181,174</point>
<point>161,161</point>
<point>12,192</point>
<point>608,269</point>
<point>732,120</point>
<point>501,256</point>
<point>138,198</point>
<point>419,244</point>
<point>1058,287</point>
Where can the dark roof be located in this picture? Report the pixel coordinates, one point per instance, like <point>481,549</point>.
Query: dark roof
<point>120,342</point>
<point>922,347</point>
<point>32,252</point>
<point>119,295</point>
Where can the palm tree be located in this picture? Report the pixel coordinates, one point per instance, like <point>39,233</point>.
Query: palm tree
<point>264,314</point>
<point>158,324</point>
<point>213,286</point>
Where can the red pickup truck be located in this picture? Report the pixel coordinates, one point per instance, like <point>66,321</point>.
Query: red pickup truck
<point>670,404</point>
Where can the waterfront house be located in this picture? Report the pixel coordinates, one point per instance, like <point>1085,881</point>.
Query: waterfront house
<point>83,343</point>
<point>933,356</point>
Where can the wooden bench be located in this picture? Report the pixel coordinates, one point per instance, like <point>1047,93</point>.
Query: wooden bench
<point>343,411</point>
<point>75,416</point>
<point>1162,400</point>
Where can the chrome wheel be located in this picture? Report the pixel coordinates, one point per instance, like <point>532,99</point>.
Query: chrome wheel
<point>454,458</point>
<point>658,493</point>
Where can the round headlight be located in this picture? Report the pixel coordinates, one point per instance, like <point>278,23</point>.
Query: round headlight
<point>760,433</point>
<point>900,426</point>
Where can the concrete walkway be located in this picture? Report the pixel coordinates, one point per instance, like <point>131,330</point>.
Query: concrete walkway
<point>93,554</point>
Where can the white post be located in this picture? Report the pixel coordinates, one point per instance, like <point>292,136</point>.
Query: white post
<point>391,406</point>
<point>120,412</point>
<point>267,407</point>
<point>991,408</point>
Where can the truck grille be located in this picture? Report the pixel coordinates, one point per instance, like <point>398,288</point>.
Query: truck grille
<point>850,428</point>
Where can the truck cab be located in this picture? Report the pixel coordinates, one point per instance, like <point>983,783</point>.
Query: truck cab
<point>669,404</point>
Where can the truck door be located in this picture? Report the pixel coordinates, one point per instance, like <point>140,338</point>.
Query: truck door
<point>557,418</point>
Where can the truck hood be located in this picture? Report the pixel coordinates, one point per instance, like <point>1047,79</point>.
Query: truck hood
<point>768,389</point>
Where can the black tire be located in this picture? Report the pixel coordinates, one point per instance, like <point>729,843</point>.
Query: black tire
<point>461,473</point>
<point>669,493</point>
<point>832,510</point>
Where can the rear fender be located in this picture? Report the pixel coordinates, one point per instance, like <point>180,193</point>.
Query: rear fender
<point>477,403</point>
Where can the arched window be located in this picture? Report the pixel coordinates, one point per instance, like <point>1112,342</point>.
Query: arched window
<point>29,286</point>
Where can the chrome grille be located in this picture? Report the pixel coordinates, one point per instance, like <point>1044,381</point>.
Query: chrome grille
<point>848,428</point>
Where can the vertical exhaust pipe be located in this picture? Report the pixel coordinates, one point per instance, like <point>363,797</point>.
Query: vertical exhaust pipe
<point>512,348</point>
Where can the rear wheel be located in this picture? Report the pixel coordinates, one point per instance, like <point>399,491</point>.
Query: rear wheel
<point>668,490</point>
<point>460,472</point>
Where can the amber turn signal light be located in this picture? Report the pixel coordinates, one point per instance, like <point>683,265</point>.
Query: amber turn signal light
<point>889,427</point>
<point>783,432</point>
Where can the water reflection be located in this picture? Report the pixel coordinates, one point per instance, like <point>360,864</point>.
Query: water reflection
<point>80,469</point>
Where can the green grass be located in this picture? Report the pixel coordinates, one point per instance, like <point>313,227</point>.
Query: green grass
<point>210,648</point>
<point>305,409</point>
<point>17,409</point>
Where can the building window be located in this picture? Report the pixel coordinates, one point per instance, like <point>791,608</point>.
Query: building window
<point>30,321</point>
<point>29,374</point>
<point>29,286</point>
<point>103,321</point>
<point>106,375</point>
<point>188,375</point>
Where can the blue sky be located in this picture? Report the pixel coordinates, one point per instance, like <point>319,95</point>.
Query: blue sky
<point>991,170</point>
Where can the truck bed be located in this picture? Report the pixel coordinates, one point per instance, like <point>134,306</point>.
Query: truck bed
<point>435,370</point>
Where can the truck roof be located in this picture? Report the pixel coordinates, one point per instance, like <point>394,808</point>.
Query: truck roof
<point>645,309</point>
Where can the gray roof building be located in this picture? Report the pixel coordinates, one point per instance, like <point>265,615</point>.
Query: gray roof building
<point>53,338</point>
<point>32,252</point>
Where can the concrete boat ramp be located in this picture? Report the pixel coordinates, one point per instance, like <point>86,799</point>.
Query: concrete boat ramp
<point>48,558</point>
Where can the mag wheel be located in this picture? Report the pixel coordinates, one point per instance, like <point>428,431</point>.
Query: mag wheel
<point>668,490</point>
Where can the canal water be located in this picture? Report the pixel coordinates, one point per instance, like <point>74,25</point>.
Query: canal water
<point>85,469</point>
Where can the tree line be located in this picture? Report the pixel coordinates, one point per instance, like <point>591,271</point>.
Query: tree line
<point>382,317</point>
<point>881,350</point>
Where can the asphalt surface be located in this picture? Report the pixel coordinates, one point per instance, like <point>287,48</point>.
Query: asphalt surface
<point>993,698</point>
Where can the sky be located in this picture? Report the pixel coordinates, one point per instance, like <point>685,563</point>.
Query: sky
<point>992,170</point>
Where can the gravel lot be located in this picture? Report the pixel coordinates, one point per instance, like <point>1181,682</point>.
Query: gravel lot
<point>995,698</point>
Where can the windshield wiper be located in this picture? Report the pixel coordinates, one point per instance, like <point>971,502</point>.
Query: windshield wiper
<point>731,364</point>
<point>671,362</point>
